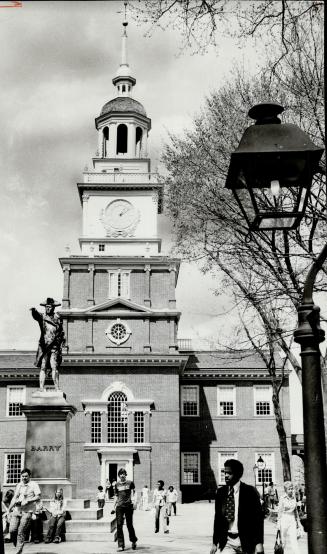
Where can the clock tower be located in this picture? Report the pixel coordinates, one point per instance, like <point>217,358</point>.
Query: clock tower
<point>120,196</point>
<point>118,308</point>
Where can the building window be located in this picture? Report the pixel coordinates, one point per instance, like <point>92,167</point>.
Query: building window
<point>15,399</point>
<point>101,247</point>
<point>119,284</point>
<point>118,332</point>
<point>190,400</point>
<point>222,457</point>
<point>117,418</point>
<point>122,139</point>
<point>268,474</point>
<point>13,467</point>
<point>191,468</point>
<point>96,427</point>
<point>138,427</point>
<point>262,400</point>
<point>226,401</point>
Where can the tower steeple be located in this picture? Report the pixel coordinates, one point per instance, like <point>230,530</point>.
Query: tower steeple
<point>123,79</point>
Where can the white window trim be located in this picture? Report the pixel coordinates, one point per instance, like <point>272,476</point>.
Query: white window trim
<point>197,400</point>
<point>256,399</point>
<point>221,457</point>
<point>219,388</point>
<point>5,465</point>
<point>263,454</point>
<point>7,400</point>
<point>199,466</point>
<point>117,272</point>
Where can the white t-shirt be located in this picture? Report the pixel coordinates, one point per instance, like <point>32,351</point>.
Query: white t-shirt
<point>25,492</point>
<point>159,497</point>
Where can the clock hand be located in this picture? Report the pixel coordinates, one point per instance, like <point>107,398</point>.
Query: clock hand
<point>124,211</point>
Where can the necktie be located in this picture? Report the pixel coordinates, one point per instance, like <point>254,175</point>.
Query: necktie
<point>230,506</point>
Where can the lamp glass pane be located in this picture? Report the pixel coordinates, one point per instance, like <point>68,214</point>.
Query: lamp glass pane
<point>277,223</point>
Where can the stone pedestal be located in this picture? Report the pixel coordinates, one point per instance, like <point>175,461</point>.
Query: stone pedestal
<point>47,450</point>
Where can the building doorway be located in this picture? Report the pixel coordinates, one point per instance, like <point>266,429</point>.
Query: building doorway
<point>113,468</point>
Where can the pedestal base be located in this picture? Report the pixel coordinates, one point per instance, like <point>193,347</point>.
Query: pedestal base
<point>47,450</point>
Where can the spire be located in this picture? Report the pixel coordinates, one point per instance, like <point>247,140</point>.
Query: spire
<point>123,80</point>
<point>124,41</point>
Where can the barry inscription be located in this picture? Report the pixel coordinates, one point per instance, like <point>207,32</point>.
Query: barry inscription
<point>50,448</point>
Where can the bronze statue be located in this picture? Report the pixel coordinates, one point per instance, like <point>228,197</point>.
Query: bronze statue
<point>52,339</point>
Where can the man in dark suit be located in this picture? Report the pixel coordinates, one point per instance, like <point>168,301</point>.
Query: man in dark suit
<point>238,526</point>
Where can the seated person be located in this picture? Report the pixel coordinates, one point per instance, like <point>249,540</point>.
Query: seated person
<point>6,513</point>
<point>37,523</point>
<point>57,512</point>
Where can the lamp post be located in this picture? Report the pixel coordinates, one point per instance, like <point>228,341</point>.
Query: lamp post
<point>2,548</point>
<point>270,174</point>
<point>261,465</point>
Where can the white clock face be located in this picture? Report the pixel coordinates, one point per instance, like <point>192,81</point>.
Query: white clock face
<point>120,215</point>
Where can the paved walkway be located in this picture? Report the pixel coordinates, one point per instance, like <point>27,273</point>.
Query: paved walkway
<point>190,533</point>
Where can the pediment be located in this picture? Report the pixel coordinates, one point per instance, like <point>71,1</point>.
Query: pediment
<point>118,305</point>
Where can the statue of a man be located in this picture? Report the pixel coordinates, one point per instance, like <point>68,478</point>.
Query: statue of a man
<point>48,356</point>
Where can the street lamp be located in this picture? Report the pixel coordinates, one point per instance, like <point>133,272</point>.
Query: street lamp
<point>271,151</point>
<point>261,465</point>
<point>271,170</point>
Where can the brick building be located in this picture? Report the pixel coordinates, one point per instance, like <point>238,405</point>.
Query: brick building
<point>144,400</point>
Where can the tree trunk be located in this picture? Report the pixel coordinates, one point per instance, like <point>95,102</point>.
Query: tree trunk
<point>281,432</point>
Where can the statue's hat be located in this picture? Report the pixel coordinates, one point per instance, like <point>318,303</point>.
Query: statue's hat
<point>50,302</point>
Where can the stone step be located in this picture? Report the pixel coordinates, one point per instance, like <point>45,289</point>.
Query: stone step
<point>78,526</point>
<point>85,536</point>
<point>87,513</point>
<point>72,503</point>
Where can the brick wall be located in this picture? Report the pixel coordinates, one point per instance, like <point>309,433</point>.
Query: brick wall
<point>243,433</point>
<point>78,288</point>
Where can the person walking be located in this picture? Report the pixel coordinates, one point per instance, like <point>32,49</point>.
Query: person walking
<point>27,493</point>
<point>145,498</point>
<point>272,495</point>
<point>238,524</point>
<point>101,497</point>
<point>172,496</point>
<point>288,522</point>
<point>159,503</point>
<point>57,510</point>
<point>107,489</point>
<point>125,499</point>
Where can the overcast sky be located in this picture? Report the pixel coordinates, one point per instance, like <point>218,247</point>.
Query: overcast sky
<point>56,67</point>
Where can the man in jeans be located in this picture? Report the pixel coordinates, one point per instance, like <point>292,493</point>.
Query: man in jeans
<point>125,498</point>
<point>27,493</point>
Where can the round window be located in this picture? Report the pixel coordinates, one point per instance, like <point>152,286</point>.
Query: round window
<point>118,331</point>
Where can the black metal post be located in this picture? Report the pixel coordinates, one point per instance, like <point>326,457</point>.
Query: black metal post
<point>309,335</point>
<point>263,486</point>
<point>2,546</point>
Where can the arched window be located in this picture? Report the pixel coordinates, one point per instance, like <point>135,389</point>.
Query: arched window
<point>105,141</point>
<point>122,139</point>
<point>124,88</point>
<point>139,134</point>
<point>117,418</point>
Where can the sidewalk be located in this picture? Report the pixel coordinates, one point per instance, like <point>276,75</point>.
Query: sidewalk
<point>190,533</point>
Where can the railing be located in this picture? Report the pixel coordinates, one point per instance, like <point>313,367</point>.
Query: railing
<point>184,344</point>
<point>119,177</point>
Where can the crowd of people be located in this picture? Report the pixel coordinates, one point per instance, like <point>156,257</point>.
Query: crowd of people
<point>23,514</point>
<point>238,522</point>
